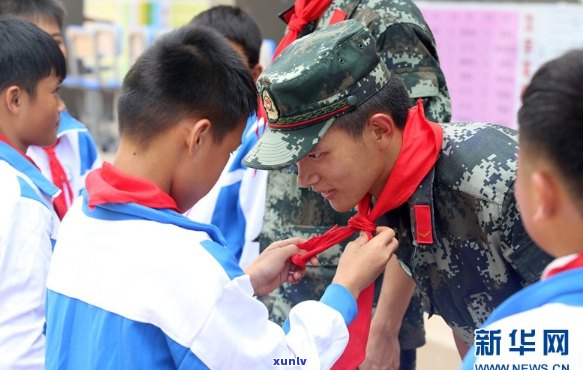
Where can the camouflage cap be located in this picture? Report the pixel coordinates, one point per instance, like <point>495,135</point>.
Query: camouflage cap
<point>313,81</point>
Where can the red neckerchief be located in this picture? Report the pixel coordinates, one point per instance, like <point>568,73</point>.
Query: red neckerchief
<point>420,149</point>
<point>6,141</point>
<point>63,201</point>
<point>110,185</point>
<point>574,263</point>
<point>304,12</point>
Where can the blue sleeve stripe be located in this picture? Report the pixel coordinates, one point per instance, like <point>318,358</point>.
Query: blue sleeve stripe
<point>340,299</point>
<point>225,257</point>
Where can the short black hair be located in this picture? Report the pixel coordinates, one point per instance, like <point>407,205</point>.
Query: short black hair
<point>236,25</point>
<point>191,71</point>
<point>34,9</point>
<point>27,55</point>
<point>550,120</point>
<point>392,99</point>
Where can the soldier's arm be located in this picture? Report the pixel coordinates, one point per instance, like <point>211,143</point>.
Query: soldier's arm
<point>383,351</point>
<point>526,258</point>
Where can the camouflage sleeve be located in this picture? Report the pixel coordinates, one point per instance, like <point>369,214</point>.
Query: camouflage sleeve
<point>527,259</point>
<point>410,52</point>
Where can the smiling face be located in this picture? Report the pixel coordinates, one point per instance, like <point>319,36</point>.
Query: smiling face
<point>343,169</point>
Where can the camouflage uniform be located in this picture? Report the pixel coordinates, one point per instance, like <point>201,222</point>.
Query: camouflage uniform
<point>406,45</point>
<point>481,253</point>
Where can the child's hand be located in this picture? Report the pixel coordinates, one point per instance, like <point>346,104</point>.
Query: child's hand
<point>363,260</point>
<point>273,267</point>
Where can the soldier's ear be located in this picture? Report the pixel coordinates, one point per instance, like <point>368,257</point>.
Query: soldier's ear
<point>382,128</point>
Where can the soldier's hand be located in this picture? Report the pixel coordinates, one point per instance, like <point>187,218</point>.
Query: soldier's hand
<point>273,267</point>
<point>363,260</point>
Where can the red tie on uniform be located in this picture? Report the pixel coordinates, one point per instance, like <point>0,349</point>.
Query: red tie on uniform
<point>60,179</point>
<point>419,151</point>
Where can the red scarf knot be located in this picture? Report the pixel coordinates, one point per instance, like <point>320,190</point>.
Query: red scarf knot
<point>297,23</point>
<point>361,223</point>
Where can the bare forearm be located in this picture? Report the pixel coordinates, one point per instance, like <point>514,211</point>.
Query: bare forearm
<point>394,298</point>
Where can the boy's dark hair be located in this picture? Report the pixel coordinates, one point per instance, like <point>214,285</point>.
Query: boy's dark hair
<point>34,9</point>
<point>236,25</point>
<point>191,71</point>
<point>27,55</point>
<point>551,117</point>
<point>392,99</point>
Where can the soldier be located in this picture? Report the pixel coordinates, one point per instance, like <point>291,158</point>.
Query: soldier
<point>407,47</point>
<point>336,110</point>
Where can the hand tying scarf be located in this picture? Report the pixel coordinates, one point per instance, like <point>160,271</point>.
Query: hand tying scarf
<point>419,151</point>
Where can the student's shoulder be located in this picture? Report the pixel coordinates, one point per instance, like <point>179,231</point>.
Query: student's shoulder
<point>19,191</point>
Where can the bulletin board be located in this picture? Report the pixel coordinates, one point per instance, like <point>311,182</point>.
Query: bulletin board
<point>489,51</point>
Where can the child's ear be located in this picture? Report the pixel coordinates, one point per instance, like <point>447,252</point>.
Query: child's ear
<point>256,71</point>
<point>199,133</point>
<point>13,99</point>
<point>546,195</point>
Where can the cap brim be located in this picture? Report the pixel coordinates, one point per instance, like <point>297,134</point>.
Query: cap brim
<point>277,149</point>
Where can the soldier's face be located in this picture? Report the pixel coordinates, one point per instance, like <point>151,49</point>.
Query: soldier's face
<point>343,169</point>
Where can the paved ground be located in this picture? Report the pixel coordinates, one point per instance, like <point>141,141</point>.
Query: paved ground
<point>439,353</point>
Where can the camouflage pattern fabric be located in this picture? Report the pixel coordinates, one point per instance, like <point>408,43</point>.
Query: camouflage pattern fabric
<point>407,47</point>
<point>481,253</point>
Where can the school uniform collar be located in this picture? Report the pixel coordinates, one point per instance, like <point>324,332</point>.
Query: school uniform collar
<point>563,264</point>
<point>114,195</point>
<point>68,124</point>
<point>25,165</point>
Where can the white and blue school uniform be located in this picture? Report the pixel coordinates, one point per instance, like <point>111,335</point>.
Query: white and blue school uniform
<point>540,326</point>
<point>236,204</point>
<point>28,227</point>
<point>135,287</point>
<point>76,151</point>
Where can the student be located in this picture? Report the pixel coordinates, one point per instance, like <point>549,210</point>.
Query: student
<point>336,110</point>
<point>29,115</point>
<point>542,323</point>
<point>237,201</point>
<point>66,162</point>
<point>153,289</point>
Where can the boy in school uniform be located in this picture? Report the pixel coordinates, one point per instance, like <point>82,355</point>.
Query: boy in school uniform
<point>32,70</point>
<point>153,289</point>
<point>236,203</point>
<point>74,154</point>
<point>542,323</point>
